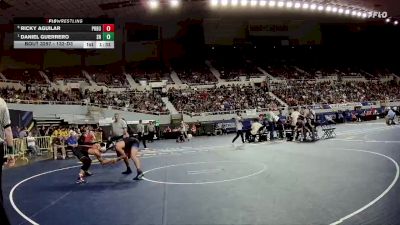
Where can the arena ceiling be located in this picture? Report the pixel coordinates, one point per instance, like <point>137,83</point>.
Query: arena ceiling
<point>135,9</point>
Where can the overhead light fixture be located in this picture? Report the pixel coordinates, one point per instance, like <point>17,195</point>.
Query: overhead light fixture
<point>234,2</point>
<point>359,14</point>
<point>364,15</point>
<point>387,20</point>
<point>214,3</point>
<point>306,5</point>
<point>334,9</point>
<point>289,4</point>
<point>297,5</point>
<point>320,8</point>
<point>281,4</point>
<point>347,12</point>
<point>263,3</point>
<point>243,2</point>
<point>153,4</point>
<point>253,3</point>
<point>396,22</point>
<point>313,6</point>
<point>174,3</point>
<point>224,2</point>
<point>340,11</point>
<point>272,3</point>
<point>354,13</point>
<point>328,8</point>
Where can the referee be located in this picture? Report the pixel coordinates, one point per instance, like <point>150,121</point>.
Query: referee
<point>119,131</point>
<point>5,136</point>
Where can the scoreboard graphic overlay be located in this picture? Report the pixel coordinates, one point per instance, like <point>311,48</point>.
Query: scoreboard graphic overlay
<point>41,33</point>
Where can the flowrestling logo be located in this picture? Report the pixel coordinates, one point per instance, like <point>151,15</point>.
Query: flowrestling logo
<point>376,14</point>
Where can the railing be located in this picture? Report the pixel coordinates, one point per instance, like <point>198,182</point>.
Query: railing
<point>83,103</point>
<point>43,144</point>
<point>230,111</point>
<point>21,147</point>
<point>11,81</point>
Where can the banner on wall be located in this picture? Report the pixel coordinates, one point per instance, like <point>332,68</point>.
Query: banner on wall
<point>273,28</point>
<point>251,112</point>
<point>296,32</point>
<point>348,106</point>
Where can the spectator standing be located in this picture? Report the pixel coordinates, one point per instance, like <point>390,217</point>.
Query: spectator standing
<point>42,131</point>
<point>140,132</point>
<point>183,129</point>
<point>270,117</point>
<point>239,128</point>
<point>152,129</point>
<point>294,116</point>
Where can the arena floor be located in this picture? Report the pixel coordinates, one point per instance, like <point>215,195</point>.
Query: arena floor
<point>351,179</point>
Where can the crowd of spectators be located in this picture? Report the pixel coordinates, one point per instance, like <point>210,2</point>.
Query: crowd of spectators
<point>318,71</point>
<point>287,72</point>
<point>111,76</point>
<point>150,75</point>
<point>148,102</point>
<point>26,76</point>
<point>221,99</point>
<point>232,71</point>
<point>378,72</point>
<point>302,92</point>
<point>150,71</point>
<point>199,74</point>
<point>322,71</point>
<point>66,74</point>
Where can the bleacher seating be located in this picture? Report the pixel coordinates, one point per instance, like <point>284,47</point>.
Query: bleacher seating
<point>65,74</point>
<point>221,99</point>
<point>150,71</point>
<point>146,102</point>
<point>29,76</point>
<point>110,75</point>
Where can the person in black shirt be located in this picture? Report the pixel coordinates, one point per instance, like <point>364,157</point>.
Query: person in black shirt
<point>82,152</point>
<point>128,149</point>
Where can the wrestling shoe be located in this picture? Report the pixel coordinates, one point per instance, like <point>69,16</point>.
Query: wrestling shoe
<point>88,173</point>
<point>128,171</point>
<point>80,180</point>
<point>139,176</point>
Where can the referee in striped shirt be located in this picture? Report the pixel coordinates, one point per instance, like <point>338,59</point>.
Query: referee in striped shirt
<point>6,137</point>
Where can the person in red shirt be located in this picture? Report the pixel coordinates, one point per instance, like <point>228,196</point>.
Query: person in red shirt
<point>89,136</point>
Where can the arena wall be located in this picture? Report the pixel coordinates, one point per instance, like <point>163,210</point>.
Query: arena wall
<point>71,112</point>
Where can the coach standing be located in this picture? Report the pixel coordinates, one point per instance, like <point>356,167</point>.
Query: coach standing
<point>7,137</point>
<point>140,131</point>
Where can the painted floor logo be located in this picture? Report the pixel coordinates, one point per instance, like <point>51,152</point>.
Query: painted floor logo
<point>375,14</point>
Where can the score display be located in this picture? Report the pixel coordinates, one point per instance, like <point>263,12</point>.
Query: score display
<point>41,33</point>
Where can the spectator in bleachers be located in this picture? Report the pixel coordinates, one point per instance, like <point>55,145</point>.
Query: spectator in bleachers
<point>58,144</point>
<point>72,141</point>
<point>15,131</point>
<point>147,102</point>
<point>23,132</point>
<point>221,99</point>
<point>31,143</point>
